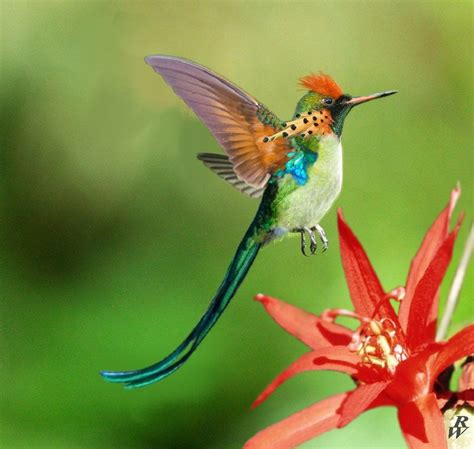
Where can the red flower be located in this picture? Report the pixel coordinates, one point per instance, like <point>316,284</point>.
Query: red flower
<point>462,399</point>
<point>393,359</point>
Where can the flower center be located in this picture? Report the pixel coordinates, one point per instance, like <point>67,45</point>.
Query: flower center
<point>377,343</point>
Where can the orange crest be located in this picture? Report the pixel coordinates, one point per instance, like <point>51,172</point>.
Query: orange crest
<point>322,84</point>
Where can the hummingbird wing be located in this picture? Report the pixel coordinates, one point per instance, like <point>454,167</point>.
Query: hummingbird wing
<point>222,167</point>
<point>230,114</point>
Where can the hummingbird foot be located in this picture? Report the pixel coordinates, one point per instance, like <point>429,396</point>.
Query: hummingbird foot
<point>322,235</point>
<point>313,246</point>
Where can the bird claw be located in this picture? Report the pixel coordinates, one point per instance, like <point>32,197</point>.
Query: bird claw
<point>322,235</point>
<point>313,246</point>
<point>313,243</point>
<point>303,241</point>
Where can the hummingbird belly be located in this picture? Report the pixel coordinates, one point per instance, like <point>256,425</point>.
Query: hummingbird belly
<point>305,206</point>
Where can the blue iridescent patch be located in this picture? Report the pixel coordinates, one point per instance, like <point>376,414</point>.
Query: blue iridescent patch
<point>297,166</point>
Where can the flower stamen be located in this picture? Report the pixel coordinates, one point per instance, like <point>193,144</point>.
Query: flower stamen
<point>377,343</point>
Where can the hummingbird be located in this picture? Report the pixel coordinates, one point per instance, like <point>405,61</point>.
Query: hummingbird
<point>294,166</point>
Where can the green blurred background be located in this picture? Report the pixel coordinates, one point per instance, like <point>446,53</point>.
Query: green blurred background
<point>114,237</point>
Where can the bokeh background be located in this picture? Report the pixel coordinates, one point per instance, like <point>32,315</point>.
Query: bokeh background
<point>114,237</point>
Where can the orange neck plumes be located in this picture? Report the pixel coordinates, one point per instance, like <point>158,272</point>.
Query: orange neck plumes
<point>305,125</point>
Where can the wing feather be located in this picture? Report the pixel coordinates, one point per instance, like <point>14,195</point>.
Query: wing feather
<point>231,116</point>
<point>222,167</point>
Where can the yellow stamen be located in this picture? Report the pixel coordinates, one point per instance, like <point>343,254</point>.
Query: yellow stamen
<point>383,344</point>
<point>377,343</point>
<point>375,327</point>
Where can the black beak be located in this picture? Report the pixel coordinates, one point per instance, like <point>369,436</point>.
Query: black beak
<point>359,100</point>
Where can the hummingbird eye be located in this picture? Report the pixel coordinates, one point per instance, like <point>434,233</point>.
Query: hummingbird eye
<point>328,101</point>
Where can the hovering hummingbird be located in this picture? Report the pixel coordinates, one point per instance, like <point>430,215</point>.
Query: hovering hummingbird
<point>295,166</point>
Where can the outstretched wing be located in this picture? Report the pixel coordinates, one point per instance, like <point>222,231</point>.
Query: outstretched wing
<point>230,114</point>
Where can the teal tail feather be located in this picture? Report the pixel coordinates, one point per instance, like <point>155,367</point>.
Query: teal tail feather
<point>238,269</point>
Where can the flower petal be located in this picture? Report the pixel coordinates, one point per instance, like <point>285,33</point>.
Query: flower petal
<point>337,358</point>
<point>466,380</point>
<point>457,347</point>
<point>431,242</point>
<point>362,398</point>
<point>413,376</point>
<point>422,423</point>
<point>302,364</point>
<point>308,328</point>
<point>365,289</point>
<point>299,427</point>
<point>419,328</point>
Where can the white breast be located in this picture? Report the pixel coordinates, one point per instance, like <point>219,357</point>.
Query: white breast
<point>307,205</point>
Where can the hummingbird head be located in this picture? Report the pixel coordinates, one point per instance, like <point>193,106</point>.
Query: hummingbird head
<point>322,110</point>
<point>326,100</point>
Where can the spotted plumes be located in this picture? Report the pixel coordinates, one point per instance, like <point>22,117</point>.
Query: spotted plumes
<point>313,122</point>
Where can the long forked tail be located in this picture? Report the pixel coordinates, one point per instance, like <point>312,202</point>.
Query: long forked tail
<point>241,263</point>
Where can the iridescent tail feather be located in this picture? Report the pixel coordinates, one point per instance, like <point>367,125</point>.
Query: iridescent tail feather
<point>241,263</point>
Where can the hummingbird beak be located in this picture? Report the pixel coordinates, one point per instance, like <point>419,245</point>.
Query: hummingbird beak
<point>359,100</point>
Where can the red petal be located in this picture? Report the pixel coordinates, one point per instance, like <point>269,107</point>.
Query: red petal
<point>418,329</point>
<point>413,376</point>
<point>360,400</point>
<point>431,242</point>
<point>302,364</point>
<point>456,400</point>
<point>443,398</point>
<point>308,328</point>
<point>466,380</point>
<point>364,286</point>
<point>337,358</point>
<point>465,397</point>
<point>457,347</point>
<point>422,424</point>
<point>300,427</point>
